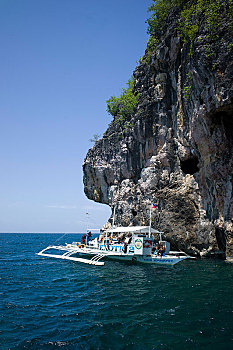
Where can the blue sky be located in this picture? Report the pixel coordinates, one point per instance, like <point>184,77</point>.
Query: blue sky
<point>60,61</point>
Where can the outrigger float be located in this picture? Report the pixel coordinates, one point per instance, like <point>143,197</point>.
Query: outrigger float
<point>138,246</point>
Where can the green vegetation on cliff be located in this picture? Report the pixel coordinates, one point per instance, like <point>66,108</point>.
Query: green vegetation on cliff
<point>160,10</point>
<point>122,107</point>
<point>193,14</point>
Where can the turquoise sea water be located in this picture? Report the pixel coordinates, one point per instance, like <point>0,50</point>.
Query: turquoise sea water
<point>54,304</point>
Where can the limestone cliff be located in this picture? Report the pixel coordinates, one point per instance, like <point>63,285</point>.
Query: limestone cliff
<point>178,150</point>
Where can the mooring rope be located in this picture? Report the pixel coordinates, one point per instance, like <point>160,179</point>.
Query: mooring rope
<point>60,237</point>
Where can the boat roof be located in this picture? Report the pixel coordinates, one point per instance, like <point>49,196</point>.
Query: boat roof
<point>135,229</point>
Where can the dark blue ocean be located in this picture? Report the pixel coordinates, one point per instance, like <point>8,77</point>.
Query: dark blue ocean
<point>54,304</point>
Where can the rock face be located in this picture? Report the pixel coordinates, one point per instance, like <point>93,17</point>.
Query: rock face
<point>178,151</point>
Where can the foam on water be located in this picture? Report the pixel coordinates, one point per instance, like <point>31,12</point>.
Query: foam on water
<point>50,304</point>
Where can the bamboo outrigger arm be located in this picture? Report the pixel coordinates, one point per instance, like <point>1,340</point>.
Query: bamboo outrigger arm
<point>67,256</point>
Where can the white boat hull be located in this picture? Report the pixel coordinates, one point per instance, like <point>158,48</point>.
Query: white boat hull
<point>94,255</point>
<point>164,260</point>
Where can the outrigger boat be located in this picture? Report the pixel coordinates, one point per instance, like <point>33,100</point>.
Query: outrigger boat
<point>138,246</point>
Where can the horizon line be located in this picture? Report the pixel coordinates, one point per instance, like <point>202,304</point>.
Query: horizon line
<point>40,232</point>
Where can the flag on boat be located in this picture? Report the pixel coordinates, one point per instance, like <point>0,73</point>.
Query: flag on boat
<point>153,206</point>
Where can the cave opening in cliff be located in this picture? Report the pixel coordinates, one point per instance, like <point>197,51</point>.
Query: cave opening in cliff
<point>224,120</point>
<point>189,166</point>
<point>221,238</point>
<point>134,212</point>
<point>227,122</point>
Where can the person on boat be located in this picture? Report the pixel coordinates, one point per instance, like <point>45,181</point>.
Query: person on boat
<point>163,250</point>
<point>84,238</point>
<point>101,237</point>
<point>114,239</point>
<point>89,235</point>
<point>126,242</point>
<point>125,247</point>
<point>159,249</point>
